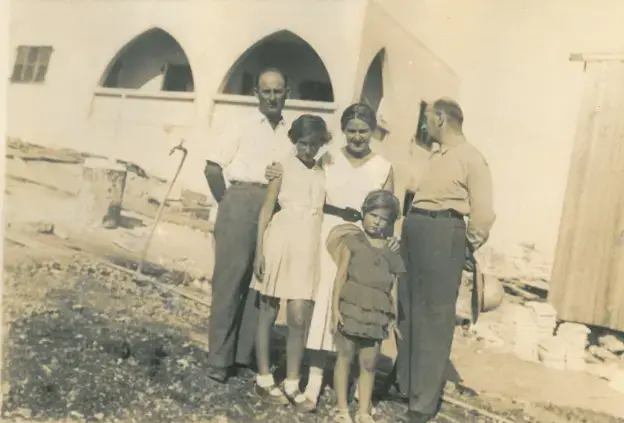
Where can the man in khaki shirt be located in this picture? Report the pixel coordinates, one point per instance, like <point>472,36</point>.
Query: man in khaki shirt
<point>436,239</point>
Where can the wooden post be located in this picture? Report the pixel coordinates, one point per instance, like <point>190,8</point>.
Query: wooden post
<point>101,194</point>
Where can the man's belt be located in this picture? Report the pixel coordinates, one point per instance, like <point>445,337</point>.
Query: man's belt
<point>438,214</point>
<point>246,183</point>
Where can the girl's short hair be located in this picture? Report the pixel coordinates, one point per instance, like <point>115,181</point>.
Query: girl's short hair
<point>382,199</point>
<point>307,125</point>
<point>359,111</point>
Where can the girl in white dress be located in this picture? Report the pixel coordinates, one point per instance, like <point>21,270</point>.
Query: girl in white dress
<point>351,172</point>
<point>288,254</point>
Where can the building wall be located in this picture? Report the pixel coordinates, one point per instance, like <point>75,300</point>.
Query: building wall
<point>84,46</point>
<point>521,97</point>
<point>507,63</point>
<point>410,72</point>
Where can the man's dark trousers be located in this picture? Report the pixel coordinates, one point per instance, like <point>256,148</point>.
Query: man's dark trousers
<point>234,310</point>
<point>433,249</point>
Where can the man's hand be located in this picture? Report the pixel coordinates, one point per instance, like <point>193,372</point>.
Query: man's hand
<point>394,327</point>
<point>469,261</point>
<point>351,215</point>
<point>273,171</point>
<point>259,267</point>
<point>394,244</point>
<point>336,318</point>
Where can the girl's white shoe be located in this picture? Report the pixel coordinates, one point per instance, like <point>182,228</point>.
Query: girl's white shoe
<point>364,418</point>
<point>342,416</point>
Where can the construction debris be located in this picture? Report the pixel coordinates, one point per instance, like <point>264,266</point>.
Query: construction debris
<point>533,323</point>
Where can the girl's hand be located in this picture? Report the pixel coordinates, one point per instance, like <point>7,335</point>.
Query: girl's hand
<point>336,319</point>
<point>259,267</point>
<point>273,171</point>
<point>394,243</point>
<point>395,328</point>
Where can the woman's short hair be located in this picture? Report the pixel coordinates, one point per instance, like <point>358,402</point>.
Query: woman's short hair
<point>309,125</point>
<point>359,111</point>
<point>382,199</point>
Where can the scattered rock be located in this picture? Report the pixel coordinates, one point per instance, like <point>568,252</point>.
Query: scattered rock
<point>23,412</point>
<point>45,228</point>
<point>76,415</point>
<point>602,354</point>
<point>612,343</point>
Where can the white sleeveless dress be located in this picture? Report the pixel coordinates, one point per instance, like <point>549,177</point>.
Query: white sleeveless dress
<point>346,186</point>
<point>292,240</point>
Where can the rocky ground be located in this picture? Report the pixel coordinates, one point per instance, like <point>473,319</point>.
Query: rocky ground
<point>85,342</point>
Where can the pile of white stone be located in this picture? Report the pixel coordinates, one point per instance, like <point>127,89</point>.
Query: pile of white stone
<point>533,323</point>
<point>538,339</point>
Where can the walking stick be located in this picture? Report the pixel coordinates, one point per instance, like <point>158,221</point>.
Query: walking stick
<point>161,207</point>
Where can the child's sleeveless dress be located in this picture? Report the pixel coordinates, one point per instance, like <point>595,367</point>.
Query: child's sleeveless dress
<point>366,297</point>
<point>293,237</point>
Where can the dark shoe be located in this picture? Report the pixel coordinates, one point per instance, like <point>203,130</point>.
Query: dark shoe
<point>301,403</point>
<point>272,395</point>
<point>245,371</point>
<point>218,374</point>
<point>418,417</point>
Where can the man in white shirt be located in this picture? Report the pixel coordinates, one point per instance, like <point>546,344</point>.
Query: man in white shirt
<point>240,156</point>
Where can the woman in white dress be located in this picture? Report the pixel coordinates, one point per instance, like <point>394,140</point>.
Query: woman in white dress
<point>351,172</point>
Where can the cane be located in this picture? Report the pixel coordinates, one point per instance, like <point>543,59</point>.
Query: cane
<point>161,207</point>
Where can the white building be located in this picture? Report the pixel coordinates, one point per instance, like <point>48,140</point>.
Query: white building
<point>130,78</point>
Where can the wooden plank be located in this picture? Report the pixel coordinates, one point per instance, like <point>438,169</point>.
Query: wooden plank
<point>521,292</point>
<point>596,57</point>
<point>584,282</point>
<point>596,229</point>
<point>614,292</point>
<point>576,176</point>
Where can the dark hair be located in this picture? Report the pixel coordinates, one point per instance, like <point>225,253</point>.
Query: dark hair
<point>306,125</point>
<point>382,199</point>
<point>271,69</point>
<point>451,109</point>
<point>359,111</point>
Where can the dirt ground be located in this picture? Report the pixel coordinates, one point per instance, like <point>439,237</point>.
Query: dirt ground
<point>84,342</point>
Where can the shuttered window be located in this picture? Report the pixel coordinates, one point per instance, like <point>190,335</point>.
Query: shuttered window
<point>31,64</point>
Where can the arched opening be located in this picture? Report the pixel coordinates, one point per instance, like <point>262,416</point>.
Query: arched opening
<point>308,77</point>
<point>153,61</point>
<point>373,92</point>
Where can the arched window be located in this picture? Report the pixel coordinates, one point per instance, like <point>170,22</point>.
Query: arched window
<point>373,92</point>
<point>307,76</point>
<point>153,61</point>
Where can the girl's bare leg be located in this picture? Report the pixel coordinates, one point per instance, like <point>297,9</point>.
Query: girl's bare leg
<point>368,363</point>
<point>269,308</point>
<point>346,349</point>
<point>299,313</point>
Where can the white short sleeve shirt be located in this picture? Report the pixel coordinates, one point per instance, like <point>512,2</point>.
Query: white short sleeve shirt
<point>248,146</point>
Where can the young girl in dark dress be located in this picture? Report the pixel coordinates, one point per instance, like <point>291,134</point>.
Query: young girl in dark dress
<point>364,303</point>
